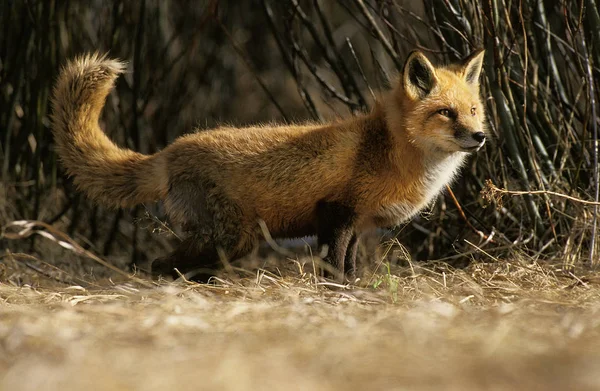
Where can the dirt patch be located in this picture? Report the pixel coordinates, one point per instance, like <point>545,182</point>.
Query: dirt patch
<point>499,326</point>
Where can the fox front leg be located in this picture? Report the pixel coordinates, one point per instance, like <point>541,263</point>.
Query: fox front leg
<point>350,260</point>
<point>335,228</point>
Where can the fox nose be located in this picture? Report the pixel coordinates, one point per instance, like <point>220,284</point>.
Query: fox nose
<point>479,137</point>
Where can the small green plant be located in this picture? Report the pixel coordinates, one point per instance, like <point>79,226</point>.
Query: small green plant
<point>389,282</point>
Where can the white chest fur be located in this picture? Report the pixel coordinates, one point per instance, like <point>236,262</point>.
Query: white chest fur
<point>438,173</point>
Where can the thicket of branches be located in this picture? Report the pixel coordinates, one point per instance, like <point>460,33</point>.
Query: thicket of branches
<point>201,63</point>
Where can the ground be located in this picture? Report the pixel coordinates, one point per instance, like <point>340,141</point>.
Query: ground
<point>498,325</point>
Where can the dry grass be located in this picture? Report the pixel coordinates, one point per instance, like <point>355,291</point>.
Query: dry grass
<point>69,323</point>
<point>500,326</point>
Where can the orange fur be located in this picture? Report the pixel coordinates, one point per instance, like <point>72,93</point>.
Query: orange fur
<point>384,166</point>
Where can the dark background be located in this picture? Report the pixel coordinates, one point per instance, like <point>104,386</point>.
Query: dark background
<point>203,63</point>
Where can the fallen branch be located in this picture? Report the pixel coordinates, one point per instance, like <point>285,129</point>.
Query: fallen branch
<point>26,228</point>
<point>462,214</point>
<point>492,193</point>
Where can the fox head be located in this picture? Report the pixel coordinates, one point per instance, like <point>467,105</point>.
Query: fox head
<point>442,107</point>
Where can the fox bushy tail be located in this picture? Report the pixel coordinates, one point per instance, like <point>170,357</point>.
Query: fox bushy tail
<point>108,174</point>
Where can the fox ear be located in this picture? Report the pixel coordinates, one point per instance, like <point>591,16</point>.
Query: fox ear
<point>418,76</point>
<point>471,68</point>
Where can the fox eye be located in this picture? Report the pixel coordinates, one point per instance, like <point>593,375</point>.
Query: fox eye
<point>473,110</point>
<point>444,112</point>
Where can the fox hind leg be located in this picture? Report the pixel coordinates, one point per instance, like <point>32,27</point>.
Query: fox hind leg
<point>192,253</point>
<point>220,230</point>
<point>199,257</point>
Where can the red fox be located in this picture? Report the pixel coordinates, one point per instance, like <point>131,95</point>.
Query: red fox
<point>334,180</point>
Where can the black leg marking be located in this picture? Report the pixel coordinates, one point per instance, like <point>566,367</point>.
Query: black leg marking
<point>335,229</point>
<point>350,260</point>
